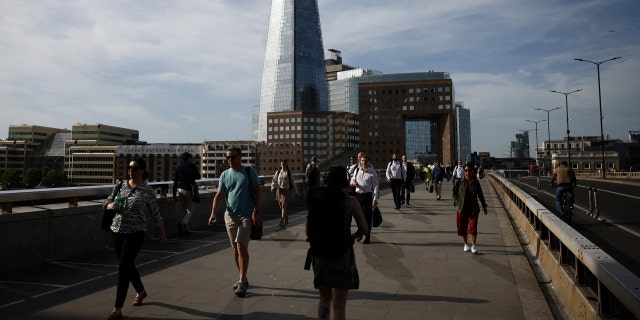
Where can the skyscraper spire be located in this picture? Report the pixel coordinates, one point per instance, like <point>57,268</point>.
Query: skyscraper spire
<point>293,76</point>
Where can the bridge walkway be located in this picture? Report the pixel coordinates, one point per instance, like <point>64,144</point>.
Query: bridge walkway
<point>414,268</point>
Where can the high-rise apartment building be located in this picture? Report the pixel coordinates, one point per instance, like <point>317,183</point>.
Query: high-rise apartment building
<point>293,76</point>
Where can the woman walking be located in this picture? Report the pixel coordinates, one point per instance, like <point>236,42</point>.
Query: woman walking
<point>466,193</point>
<point>283,185</point>
<point>133,203</point>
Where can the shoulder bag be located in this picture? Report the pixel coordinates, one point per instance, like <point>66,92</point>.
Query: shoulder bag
<point>109,214</point>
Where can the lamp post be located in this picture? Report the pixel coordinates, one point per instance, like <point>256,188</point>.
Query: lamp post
<point>536,149</point>
<point>566,105</point>
<point>604,169</point>
<point>548,131</point>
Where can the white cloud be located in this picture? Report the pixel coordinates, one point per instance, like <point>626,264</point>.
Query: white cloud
<point>186,71</point>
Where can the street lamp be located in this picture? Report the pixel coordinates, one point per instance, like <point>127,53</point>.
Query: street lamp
<point>548,131</point>
<point>536,149</point>
<point>604,169</point>
<point>566,105</point>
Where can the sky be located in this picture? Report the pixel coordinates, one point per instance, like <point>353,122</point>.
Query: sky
<point>190,71</point>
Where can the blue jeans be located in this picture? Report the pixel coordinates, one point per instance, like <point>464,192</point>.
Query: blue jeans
<point>559,192</point>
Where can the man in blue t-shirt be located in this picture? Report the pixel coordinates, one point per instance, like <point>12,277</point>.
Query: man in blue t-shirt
<point>240,187</point>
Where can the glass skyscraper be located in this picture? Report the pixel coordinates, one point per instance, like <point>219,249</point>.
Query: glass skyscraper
<point>293,76</point>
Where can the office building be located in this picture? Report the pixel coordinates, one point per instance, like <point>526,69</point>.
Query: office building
<point>31,146</point>
<point>161,158</point>
<point>293,76</point>
<point>296,136</point>
<point>214,156</point>
<point>410,113</point>
<point>91,153</point>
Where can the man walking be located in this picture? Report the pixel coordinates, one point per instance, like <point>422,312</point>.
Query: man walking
<point>458,172</point>
<point>313,173</point>
<point>395,176</point>
<point>184,180</point>
<point>408,181</point>
<point>437,174</point>
<point>240,187</point>
<point>365,182</point>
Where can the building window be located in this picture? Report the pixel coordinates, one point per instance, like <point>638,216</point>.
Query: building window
<point>586,165</point>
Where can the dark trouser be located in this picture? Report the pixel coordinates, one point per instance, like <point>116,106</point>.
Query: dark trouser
<point>559,192</point>
<point>366,203</point>
<point>405,194</point>
<point>396,187</point>
<point>127,247</point>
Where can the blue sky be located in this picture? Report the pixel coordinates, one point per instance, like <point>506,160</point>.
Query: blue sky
<point>188,71</point>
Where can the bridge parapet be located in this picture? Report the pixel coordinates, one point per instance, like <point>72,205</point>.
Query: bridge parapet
<point>578,268</point>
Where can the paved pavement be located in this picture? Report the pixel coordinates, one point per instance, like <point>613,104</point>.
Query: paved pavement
<point>414,268</point>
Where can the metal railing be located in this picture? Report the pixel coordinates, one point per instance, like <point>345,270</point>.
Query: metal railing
<point>617,289</point>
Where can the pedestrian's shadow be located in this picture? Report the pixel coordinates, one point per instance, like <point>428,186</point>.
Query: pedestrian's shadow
<point>379,255</point>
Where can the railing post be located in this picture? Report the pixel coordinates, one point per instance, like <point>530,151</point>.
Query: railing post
<point>596,207</point>
<point>591,201</point>
<point>605,302</point>
<point>7,207</point>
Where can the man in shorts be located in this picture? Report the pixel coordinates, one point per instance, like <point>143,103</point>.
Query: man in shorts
<point>240,187</point>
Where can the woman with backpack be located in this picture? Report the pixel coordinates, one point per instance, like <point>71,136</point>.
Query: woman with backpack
<point>328,231</point>
<point>283,185</point>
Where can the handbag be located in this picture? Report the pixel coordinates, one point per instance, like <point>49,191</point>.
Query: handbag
<point>376,217</point>
<point>431,189</point>
<point>109,214</point>
<point>195,193</point>
<point>256,227</point>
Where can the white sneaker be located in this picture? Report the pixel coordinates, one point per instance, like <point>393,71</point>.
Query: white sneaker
<point>466,247</point>
<point>474,249</point>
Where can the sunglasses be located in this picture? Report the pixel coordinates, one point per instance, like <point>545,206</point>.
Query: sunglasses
<point>467,170</point>
<point>231,157</point>
<point>132,168</point>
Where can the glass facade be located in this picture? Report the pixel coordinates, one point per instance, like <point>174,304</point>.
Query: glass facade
<point>293,75</point>
<point>421,140</point>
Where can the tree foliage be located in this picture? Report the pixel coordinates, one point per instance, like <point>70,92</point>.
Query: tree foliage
<point>10,179</point>
<point>32,177</point>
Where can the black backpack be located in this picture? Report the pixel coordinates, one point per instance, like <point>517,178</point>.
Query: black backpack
<point>327,231</point>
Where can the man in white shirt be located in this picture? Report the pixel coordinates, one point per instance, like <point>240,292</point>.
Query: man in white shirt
<point>395,176</point>
<point>458,172</point>
<point>365,180</point>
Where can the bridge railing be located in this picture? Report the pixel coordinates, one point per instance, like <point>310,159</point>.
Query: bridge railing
<point>591,281</point>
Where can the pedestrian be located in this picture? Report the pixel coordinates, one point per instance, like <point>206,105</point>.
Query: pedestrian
<point>395,176</point>
<point>240,187</point>
<point>408,181</point>
<point>334,275</point>
<point>427,176</point>
<point>367,188</point>
<point>134,202</point>
<point>283,185</point>
<point>466,193</point>
<point>353,164</point>
<point>458,172</point>
<point>184,181</point>
<point>437,174</point>
<point>312,173</point>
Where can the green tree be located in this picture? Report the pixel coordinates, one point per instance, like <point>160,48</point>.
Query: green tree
<point>55,179</point>
<point>32,177</point>
<point>10,179</point>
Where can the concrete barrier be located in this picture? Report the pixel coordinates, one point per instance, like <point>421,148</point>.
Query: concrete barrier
<point>36,234</point>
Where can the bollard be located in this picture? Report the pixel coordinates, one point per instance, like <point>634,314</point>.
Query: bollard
<point>538,183</point>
